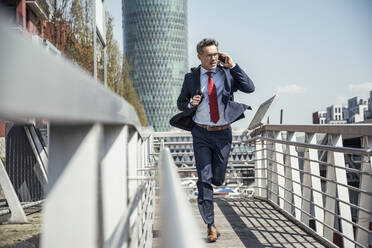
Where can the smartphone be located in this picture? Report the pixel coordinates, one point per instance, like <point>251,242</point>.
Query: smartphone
<point>221,58</point>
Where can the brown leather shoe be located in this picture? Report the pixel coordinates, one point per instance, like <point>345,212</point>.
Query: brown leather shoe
<point>213,234</point>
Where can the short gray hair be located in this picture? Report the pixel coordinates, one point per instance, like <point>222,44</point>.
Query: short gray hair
<point>204,43</point>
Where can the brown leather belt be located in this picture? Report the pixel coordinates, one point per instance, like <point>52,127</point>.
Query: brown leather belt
<point>214,128</point>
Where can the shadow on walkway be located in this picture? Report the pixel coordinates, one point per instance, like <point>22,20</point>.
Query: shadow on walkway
<point>259,225</point>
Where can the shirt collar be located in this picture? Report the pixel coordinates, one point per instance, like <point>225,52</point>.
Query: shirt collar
<point>203,71</point>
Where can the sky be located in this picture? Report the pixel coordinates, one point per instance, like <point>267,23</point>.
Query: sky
<point>310,53</point>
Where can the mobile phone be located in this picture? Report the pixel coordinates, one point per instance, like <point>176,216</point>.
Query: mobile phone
<point>221,58</point>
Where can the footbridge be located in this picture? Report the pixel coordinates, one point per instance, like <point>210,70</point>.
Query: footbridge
<point>102,180</point>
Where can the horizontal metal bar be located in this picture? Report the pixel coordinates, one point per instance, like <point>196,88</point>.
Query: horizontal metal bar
<point>346,129</point>
<point>347,150</point>
<point>141,178</point>
<point>227,178</point>
<point>322,178</point>
<point>323,208</point>
<point>323,223</point>
<point>184,143</point>
<point>322,162</point>
<point>321,192</point>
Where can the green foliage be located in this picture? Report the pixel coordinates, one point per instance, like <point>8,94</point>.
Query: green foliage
<point>3,160</point>
<point>79,48</point>
<point>118,76</point>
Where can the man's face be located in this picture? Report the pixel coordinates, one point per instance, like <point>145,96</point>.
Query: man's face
<point>209,57</point>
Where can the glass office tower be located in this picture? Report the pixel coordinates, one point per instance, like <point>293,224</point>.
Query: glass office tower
<point>155,44</point>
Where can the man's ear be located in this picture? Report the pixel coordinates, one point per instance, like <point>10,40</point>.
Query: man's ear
<point>199,57</point>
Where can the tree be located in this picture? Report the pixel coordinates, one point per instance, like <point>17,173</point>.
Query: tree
<point>79,48</point>
<point>118,72</point>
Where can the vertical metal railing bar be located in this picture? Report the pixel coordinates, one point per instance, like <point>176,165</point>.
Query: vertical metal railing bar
<point>330,194</point>
<point>310,138</point>
<point>296,177</point>
<point>99,184</point>
<point>288,194</point>
<point>342,191</point>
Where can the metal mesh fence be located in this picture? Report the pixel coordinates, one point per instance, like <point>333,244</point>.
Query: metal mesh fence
<point>20,164</point>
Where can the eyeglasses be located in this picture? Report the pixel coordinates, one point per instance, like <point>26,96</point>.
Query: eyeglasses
<point>211,56</point>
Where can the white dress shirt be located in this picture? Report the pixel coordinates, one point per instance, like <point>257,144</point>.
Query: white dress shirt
<point>202,115</point>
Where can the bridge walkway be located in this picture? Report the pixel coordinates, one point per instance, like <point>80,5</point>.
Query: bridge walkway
<point>250,222</point>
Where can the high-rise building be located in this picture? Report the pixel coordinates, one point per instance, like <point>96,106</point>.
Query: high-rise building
<point>155,44</point>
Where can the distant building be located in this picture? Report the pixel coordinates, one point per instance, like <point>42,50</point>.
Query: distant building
<point>319,117</point>
<point>334,115</point>
<point>369,112</point>
<point>155,44</point>
<point>357,110</point>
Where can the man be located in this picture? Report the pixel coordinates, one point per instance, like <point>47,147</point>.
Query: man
<point>206,100</point>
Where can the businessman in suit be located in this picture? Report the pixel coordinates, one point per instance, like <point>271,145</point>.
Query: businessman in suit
<point>206,100</point>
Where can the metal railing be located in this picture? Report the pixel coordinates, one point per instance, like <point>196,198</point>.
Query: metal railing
<point>97,150</point>
<point>307,173</point>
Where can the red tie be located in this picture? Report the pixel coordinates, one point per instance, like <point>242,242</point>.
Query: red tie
<point>213,104</point>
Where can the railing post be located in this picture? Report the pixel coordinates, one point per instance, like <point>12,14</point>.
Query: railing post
<point>365,200</point>
<point>260,165</point>
<point>316,184</point>
<point>74,167</point>
<point>343,192</point>
<point>306,189</point>
<point>296,179</point>
<point>279,165</point>
<point>288,188</point>
<point>132,173</point>
<point>114,176</point>
<point>331,194</point>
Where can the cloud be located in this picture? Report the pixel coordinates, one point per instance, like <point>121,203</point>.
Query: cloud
<point>291,89</point>
<point>366,86</point>
<point>342,100</point>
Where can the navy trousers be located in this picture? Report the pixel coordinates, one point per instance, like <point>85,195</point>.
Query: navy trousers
<point>211,152</point>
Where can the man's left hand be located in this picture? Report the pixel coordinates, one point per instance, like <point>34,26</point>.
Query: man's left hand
<point>229,61</point>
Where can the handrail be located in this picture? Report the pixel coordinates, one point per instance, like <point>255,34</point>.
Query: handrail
<point>60,93</point>
<point>175,210</point>
<point>96,143</point>
<point>351,130</point>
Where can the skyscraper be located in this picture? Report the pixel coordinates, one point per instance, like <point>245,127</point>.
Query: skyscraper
<point>155,44</point>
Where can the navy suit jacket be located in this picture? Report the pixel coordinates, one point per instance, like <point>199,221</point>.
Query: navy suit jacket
<point>236,79</point>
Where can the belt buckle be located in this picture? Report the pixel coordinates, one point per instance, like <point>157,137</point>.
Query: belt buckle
<point>208,128</point>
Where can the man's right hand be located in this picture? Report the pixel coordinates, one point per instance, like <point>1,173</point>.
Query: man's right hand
<point>196,100</point>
